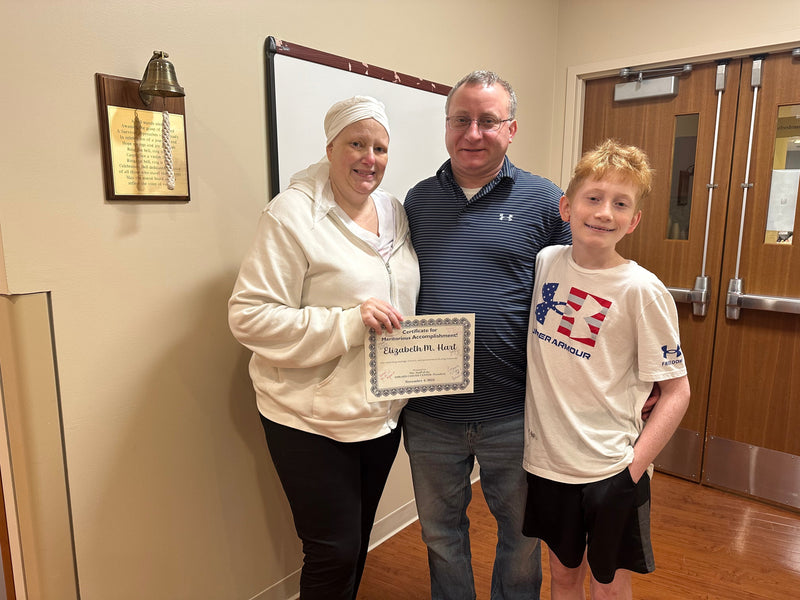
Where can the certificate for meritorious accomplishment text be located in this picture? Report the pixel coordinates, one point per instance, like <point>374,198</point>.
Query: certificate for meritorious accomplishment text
<point>431,355</point>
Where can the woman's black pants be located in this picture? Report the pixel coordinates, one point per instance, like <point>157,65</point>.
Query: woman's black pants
<point>333,490</point>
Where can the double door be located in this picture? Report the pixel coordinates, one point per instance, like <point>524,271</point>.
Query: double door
<point>718,231</point>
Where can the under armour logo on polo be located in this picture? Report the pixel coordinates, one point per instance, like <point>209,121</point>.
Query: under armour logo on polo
<point>506,217</point>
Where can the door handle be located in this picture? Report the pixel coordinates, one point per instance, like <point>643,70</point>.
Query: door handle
<point>737,300</point>
<point>697,296</point>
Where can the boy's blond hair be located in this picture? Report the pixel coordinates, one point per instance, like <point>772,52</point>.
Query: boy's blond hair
<point>615,160</point>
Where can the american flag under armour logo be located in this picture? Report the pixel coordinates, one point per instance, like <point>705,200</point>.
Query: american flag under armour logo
<point>548,302</point>
<point>586,328</point>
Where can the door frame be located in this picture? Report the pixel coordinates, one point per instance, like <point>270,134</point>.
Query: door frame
<point>572,137</point>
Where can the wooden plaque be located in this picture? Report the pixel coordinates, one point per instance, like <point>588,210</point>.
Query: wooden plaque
<point>135,157</point>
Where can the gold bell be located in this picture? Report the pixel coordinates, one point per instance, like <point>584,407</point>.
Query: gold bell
<point>159,79</point>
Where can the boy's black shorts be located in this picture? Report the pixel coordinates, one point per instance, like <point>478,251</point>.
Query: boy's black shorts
<point>611,517</point>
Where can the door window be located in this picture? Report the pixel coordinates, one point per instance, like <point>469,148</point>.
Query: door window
<point>684,148</point>
<point>785,182</point>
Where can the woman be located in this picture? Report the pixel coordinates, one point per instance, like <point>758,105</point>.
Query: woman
<point>332,258</point>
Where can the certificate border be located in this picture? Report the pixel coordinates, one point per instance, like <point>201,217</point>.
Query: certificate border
<point>410,391</point>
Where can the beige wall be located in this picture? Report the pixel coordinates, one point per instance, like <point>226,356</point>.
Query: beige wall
<point>172,493</point>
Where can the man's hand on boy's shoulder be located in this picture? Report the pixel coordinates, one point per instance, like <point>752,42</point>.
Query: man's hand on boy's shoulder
<point>655,395</point>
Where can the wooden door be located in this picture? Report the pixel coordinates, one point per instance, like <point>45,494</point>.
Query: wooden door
<point>753,436</point>
<point>744,373</point>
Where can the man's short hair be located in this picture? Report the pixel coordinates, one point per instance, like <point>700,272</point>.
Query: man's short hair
<point>486,79</point>
<point>612,159</point>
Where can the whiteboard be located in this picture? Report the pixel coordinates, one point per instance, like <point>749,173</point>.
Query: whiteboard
<point>303,83</point>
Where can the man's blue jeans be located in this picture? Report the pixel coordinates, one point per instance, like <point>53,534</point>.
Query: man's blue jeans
<point>442,456</point>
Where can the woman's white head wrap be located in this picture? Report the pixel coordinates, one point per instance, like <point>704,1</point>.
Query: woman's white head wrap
<point>357,108</point>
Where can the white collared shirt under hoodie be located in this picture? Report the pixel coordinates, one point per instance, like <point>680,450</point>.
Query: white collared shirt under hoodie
<point>296,305</point>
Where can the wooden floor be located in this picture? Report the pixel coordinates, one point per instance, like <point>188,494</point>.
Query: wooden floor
<point>708,545</point>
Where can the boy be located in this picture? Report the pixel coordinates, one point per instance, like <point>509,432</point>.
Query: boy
<point>602,330</point>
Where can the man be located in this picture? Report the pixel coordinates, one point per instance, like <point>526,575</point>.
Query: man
<point>477,226</point>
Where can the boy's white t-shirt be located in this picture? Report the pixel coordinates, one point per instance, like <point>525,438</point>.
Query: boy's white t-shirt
<point>597,340</point>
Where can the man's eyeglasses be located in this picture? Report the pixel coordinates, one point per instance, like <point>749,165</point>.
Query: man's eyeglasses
<point>484,123</point>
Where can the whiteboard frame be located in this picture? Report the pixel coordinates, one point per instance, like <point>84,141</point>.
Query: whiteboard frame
<point>297,103</point>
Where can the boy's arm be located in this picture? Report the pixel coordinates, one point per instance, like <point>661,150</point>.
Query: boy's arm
<point>663,422</point>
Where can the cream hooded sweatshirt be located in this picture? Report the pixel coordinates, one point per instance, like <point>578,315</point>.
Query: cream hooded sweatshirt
<point>296,305</point>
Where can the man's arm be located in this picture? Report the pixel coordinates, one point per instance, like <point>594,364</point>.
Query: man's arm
<point>663,422</point>
<point>654,396</point>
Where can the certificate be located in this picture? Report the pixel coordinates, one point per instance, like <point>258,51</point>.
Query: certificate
<point>431,355</point>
